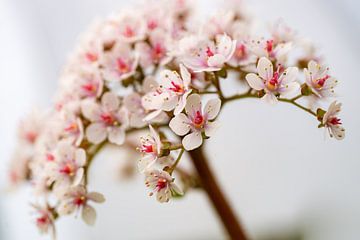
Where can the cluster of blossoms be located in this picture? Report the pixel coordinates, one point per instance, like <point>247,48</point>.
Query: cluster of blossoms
<point>150,68</point>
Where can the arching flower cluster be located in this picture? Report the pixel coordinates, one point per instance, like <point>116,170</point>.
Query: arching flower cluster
<point>149,69</point>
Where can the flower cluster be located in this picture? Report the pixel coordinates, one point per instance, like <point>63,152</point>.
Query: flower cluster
<point>150,68</point>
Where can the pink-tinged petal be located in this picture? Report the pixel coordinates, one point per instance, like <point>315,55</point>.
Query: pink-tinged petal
<point>152,115</point>
<point>212,108</point>
<point>78,177</point>
<point>146,162</point>
<point>96,133</point>
<point>185,75</point>
<point>270,98</point>
<point>80,136</point>
<point>152,101</point>
<point>179,124</point>
<point>137,120</point>
<point>66,208</point>
<point>193,104</point>
<point>181,103</point>
<point>110,101</point>
<point>226,47</point>
<point>265,68</point>
<point>217,60</point>
<point>192,141</point>
<point>96,197</point>
<point>168,78</point>
<point>117,135</point>
<point>156,137</point>
<point>88,215</point>
<point>149,84</point>
<point>255,81</point>
<point>132,102</point>
<point>169,103</point>
<point>289,75</point>
<point>211,128</point>
<point>90,109</point>
<point>289,88</point>
<point>80,157</point>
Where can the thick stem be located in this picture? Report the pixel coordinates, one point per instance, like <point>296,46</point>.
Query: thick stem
<point>216,196</point>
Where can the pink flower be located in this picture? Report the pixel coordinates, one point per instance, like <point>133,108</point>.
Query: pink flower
<point>44,219</point>
<point>120,63</point>
<point>318,79</point>
<point>150,148</point>
<point>332,122</point>
<point>268,48</point>
<point>200,54</point>
<point>162,184</point>
<point>73,128</point>
<point>76,199</point>
<point>89,83</point>
<point>279,82</point>
<point>196,120</point>
<point>242,55</point>
<point>67,165</point>
<point>108,120</point>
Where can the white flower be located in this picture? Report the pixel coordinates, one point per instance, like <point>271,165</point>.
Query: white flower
<point>162,184</point>
<point>44,219</point>
<point>200,54</point>
<point>196,120</point>
<point>73,128</point>
<point>318,79</point>
<point>67,165</point>
<point>129,26</point>
<point>279,82</point>
<point>150,148</point>
<point>332,122</point>
<point>155,51</point>
<point>108,120</point>
<point>76,199</point>
<point>242,55</point>
<point>89,83</point>
<point>269,49</point>
<point>120,63</point>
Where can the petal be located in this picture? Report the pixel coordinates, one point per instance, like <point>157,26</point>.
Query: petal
<point>265,68</point>
<point>96,197</point>
<point>185,75</point>
<point>149,84</point>
<point>289,75</point>
<point>217,60</point>
<point>96,133</point>
<point>212,108</point>
<point>289,88</point>
<point>255,81</point>
<point>117,135</point>
<point>110,101</point>
<point>66,208</point>
<point>211,128</point>
<point>338,132</point>
<point>179,124</point>
<point>78,177</point>
<point>193,104</point>
<point>80,157</point>
<point>167,78</point>
<point>192,141</point>
<point>90,109</point>
<point>152,115</point>
<point>156,137</point>
<point>146,162</point>
<point>181,103</point>
<point>270,98</point>
<point>133,102</point>
<point>88,215</point>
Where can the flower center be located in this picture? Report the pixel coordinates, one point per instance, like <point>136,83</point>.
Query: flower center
<point>177,88</point>
<point>67,169</point>
<point>240,52</point>
<point>321,81</point>
<point>209,52</point>
<point>43,220</point>
<point>335,121</point>
<point>269,46</point>
<point>161,184</point>
<point>31,136</point>
<point>79,201</point>
<point>122,66</point>
<point>157,52</point>
<point>92,57</point>
<point>72,127</point>
<point>50,157</point>
<point>152,24</point>
<point>89,88</point>
<point>147,148</point>
<point>128,32</point>
<point>109,119</point>
<point>198,120</point>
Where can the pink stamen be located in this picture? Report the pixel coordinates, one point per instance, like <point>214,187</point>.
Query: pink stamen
<point>321,81</point>
<point>67,170</point>
<point>269,45</point>
<point>128,32</point>
<point>209,52</point>
<point>72,127</point>
<point>107,118</point>
<point>50,157</point>
<point>198,119</point>
<point>176,88</point>
<point>240,52</point>
<point>122,65</point>
<point>161,184</point>
<point>157,52</point>
<point>79,201</point>
<point>31,137</point>
<point>92,57</point>
<point>147,148</point>
<point>152,24</point>
<point>89,87</point>
<point>335,121</point>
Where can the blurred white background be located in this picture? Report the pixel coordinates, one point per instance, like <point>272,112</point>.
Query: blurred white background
<point>276,167</point>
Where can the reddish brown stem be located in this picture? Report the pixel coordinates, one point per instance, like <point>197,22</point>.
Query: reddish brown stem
<point>216,196</point>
